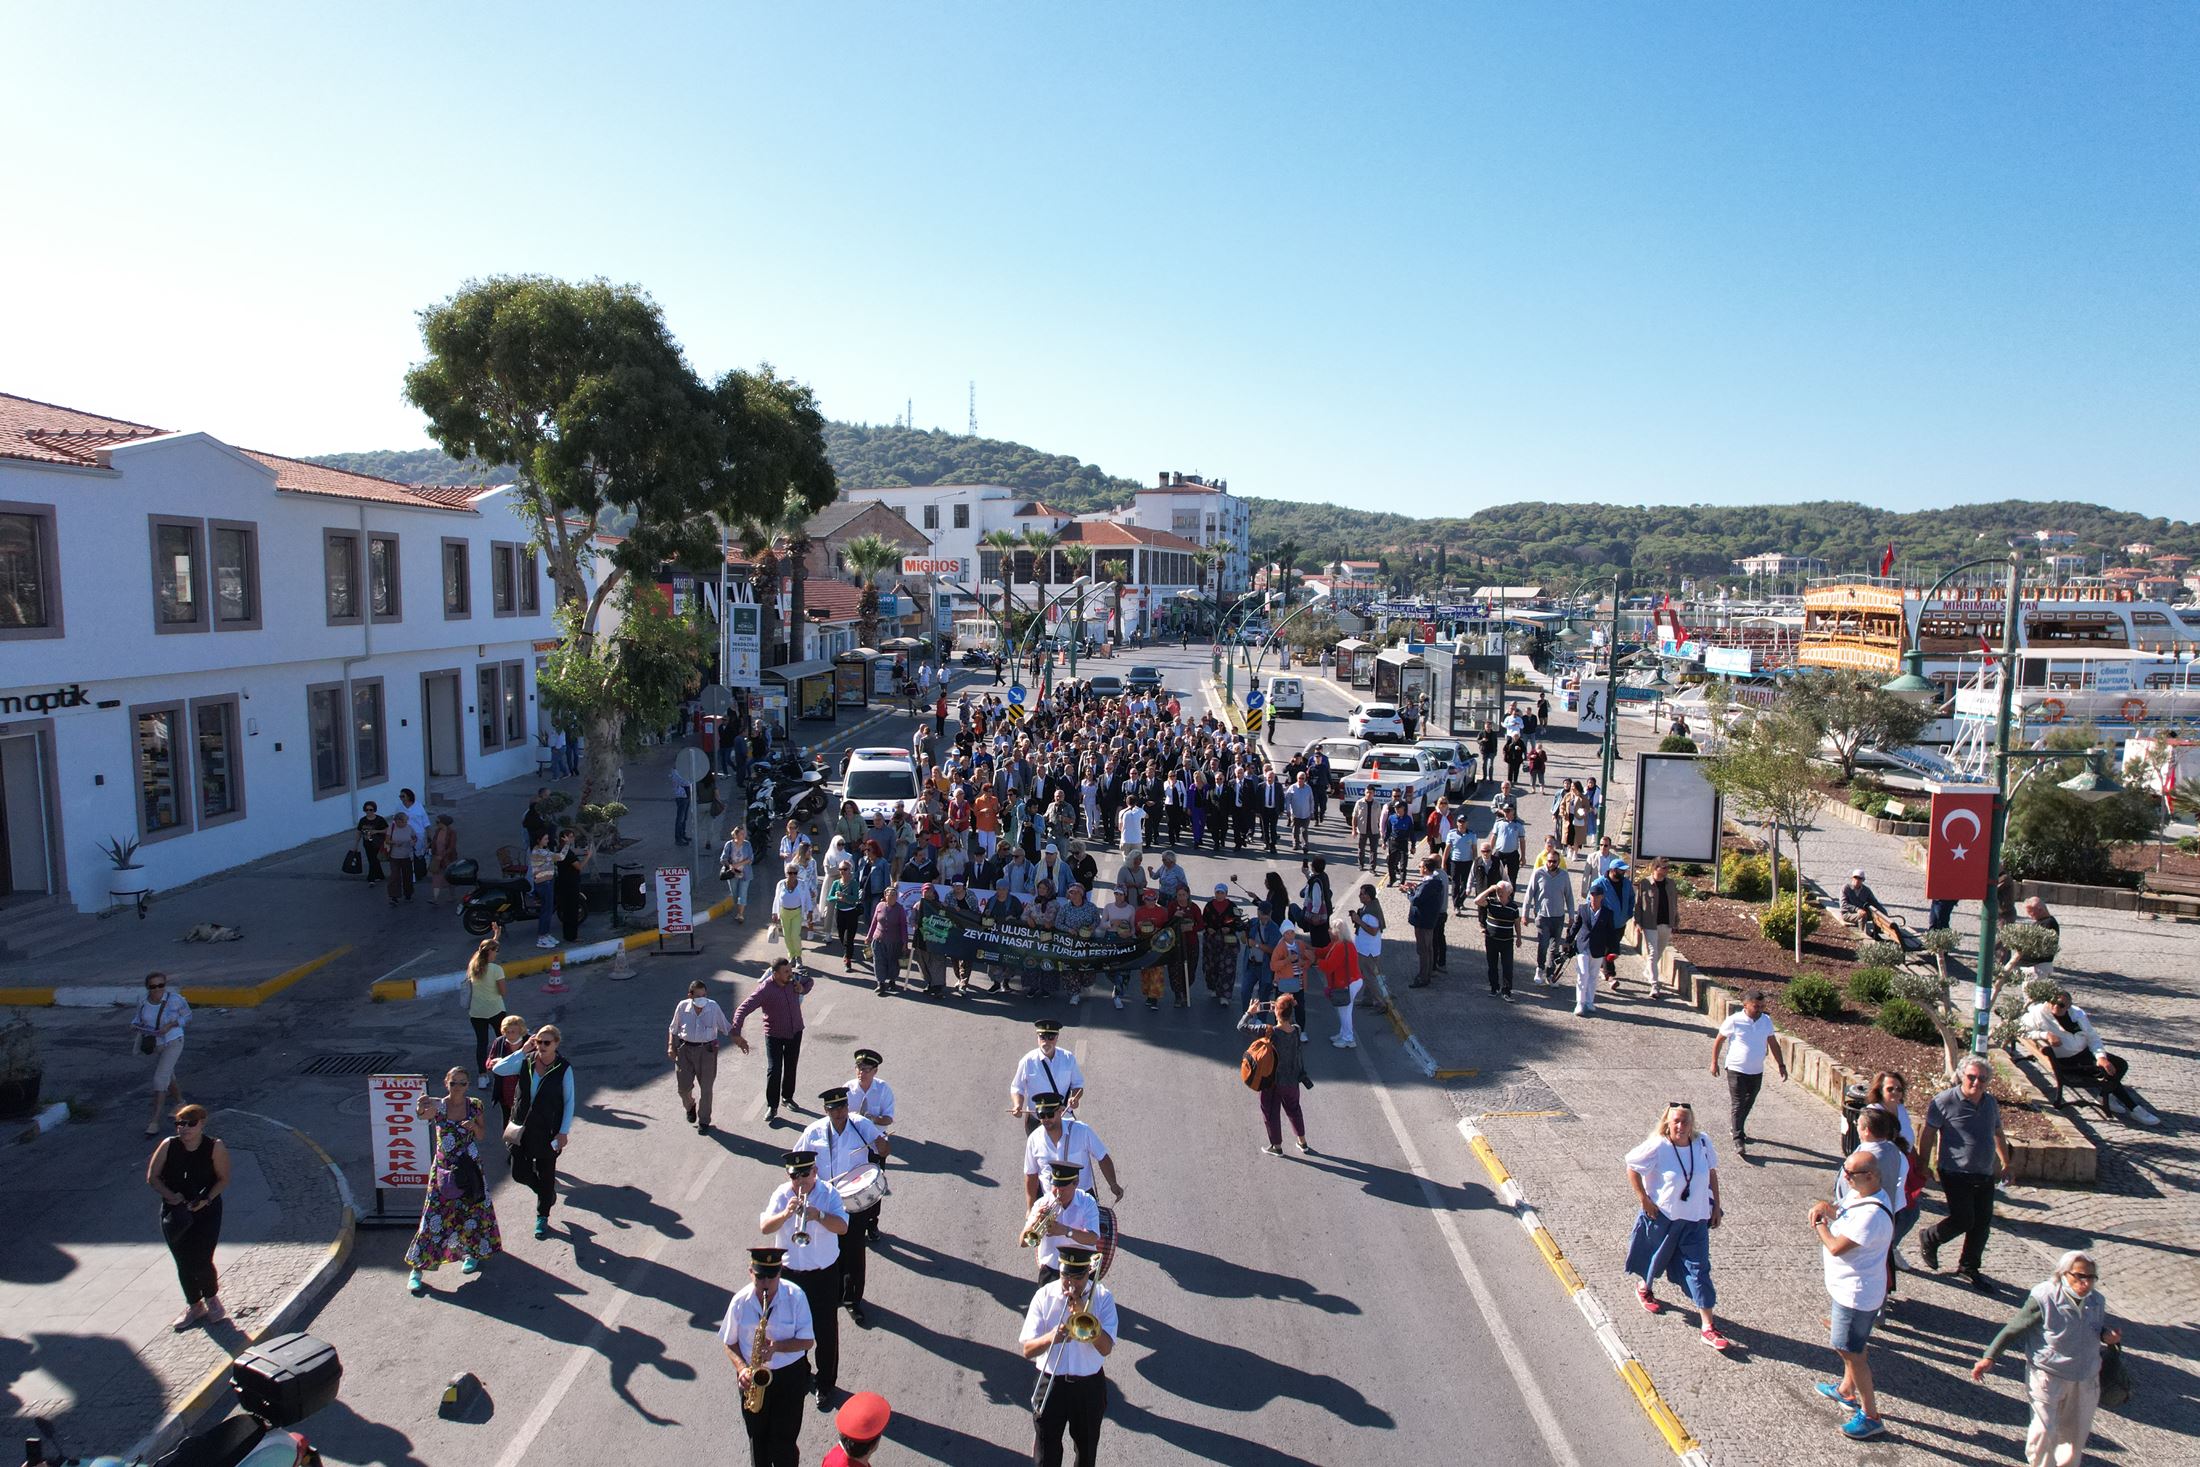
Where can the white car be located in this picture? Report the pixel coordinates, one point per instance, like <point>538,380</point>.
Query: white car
<point>1385,771</point>
<point>1375,722</point>
<point>881,781</point>
<point>1452,754</point>
<point>1344,754</point>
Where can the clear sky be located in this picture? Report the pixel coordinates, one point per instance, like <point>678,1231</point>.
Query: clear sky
<point>1416,257</point>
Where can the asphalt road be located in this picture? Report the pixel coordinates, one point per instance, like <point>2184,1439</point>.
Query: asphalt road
<point>1369,1300</point>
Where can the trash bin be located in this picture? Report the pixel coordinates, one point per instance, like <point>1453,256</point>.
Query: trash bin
<point>1853,1100</point>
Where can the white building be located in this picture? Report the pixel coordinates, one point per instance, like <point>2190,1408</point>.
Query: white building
<point>1775,563</point>
<point>1206,514</point>
<point>223,654</point>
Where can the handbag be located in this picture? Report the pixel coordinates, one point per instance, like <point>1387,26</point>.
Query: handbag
<point>176,1220</point>
<point>354,863</point>
<point>2115,1377</point>
<point>1306,1081</point>
<point>466,1177</point>
<point>146,1044</point>
<point>514,1133</point>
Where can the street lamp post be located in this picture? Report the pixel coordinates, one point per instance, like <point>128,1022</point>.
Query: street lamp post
<point>1611,711</point>
<point>1914,684</point>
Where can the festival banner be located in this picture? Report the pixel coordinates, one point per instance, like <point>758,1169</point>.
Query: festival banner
<point>983,939</point>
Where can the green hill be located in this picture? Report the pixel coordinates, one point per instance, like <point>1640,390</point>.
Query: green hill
<point>1517,542</point>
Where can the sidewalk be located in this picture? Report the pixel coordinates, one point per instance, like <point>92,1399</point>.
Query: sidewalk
<point>88,1287</point>
<point>1561,1100</point>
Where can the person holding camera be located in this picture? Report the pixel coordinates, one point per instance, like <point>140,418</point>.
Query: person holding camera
<point>1279,1092</point>
<point>158,1024</point>
<point>542,1117</point>
<point>458,1222</point>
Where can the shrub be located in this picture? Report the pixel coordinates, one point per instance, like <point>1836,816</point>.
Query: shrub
<point>1676,744</point>
<point>1872,985</point>
<point>1814,996</point>
<point>2040,990</point>
<point>2189,844</point>
<point>1778,922</point>
<point>1906,1020</point>
<point>1939,941</point>
<point>1685,889</point>
<point>1863,799</point>
<point>1923,989</point>
<point>1747,877</point>
<point>2029,942</point>
<point>1878,955</point>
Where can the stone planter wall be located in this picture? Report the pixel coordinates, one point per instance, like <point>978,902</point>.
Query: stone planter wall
<point>2066,1159</point>
<point>1843,812</point>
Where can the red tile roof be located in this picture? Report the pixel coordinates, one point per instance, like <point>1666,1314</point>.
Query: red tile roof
<point>1107,533</point>
<point>40,432</point>
<point>837,599</point>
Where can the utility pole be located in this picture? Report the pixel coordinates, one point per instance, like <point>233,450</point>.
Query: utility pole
<point>1982,1000</point>
<point>1611,712</point>
<point>973,407</point>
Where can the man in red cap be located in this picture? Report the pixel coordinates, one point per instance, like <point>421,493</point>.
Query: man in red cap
<point>861,1423</point>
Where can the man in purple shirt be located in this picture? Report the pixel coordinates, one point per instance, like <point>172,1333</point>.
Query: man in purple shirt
<point>779,996</point>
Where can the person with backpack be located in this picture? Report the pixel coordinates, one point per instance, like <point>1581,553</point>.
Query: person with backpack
<point>1275,1068</point>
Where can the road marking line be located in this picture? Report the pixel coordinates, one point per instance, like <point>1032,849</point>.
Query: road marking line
<point>1516,1360</point>
<point>401,967</point>
<point>515,1452</point>
<point>1662,1416</point>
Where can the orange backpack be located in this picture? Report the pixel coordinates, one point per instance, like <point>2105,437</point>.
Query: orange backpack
<point>1259,1065</point>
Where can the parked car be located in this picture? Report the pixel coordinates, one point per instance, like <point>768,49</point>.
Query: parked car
<point>1382,771</point>
<point>1375,722</point>
<point>1144,679</point>
<point>1457,766</point>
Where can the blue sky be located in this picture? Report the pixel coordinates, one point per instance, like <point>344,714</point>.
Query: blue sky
<point>1416,257</point>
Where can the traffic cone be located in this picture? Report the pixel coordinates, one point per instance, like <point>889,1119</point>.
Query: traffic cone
<point>557,975</point>
<point>622,965</point>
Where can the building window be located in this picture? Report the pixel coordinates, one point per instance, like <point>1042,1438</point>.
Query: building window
<point>488,707</point>
<point>30,582</point>
<point>384,593</point>
<point>236,549</point>
<point>458,588</point>
<point>503,564</point>
<point>325,735</point>
<point>515,704</point>
<point>220,770</point>
<point>370,746</point>
<point>179,576</point>
<point>340,574</point>
<point>931,517</point>
<point>962,516</point>
<point>530,583</point>
<point>161,774</point>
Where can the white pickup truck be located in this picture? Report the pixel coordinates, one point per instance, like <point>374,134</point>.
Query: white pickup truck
<point>1408,768</point>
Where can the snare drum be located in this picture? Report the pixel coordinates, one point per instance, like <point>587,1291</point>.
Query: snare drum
<point>1107,1242</point>
<point>861,1189</point>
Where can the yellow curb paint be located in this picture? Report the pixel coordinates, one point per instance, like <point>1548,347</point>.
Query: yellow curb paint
<point>1556,1258</point>
<point>1518,1115</point>
<point>1457,1074</point>
<point>36,998</point>
<point>1661,1415</point>
<point>204,996</point>
<point>1490,1163</point>
<point>391,990</point>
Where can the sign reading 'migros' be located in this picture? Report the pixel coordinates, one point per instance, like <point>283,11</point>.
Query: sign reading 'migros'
<point>920,565</point>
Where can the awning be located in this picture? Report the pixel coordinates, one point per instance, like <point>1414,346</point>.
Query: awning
<point>795,672</point>
<point>900,644</point>
<point>1353,644</point>
<point>858,654</point>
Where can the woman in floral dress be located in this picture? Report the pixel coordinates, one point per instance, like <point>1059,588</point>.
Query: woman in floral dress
<point>454,1227</point>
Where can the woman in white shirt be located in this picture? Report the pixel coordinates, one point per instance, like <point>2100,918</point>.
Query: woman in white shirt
<point>158,1025</point>
<point>1675,1176</point>
<point>793,904</point>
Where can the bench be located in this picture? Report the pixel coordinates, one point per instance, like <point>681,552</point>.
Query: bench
<point>1877,926</point>
<point>2170,884</point>
<point>2053,1081</point>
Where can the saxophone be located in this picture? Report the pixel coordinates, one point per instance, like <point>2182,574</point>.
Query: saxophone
<point>1036,1225</point>
<point>760,1373</point>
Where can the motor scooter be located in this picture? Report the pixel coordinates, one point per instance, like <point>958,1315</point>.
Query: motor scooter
<point>279,1382</point>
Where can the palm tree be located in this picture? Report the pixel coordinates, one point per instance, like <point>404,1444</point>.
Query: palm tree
<point>1004,544</point>
<point>1287,565</point>
<point>1118,582</point>
<point>869,556</point>
<point>1041,543</point>
<point>1205,559</point>
<point>1079,557</point>
<point>756,544</point>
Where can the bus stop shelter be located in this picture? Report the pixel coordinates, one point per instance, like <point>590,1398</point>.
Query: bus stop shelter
<point>809,691</point>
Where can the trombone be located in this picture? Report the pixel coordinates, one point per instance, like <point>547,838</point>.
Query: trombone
<point>1084,1328</point>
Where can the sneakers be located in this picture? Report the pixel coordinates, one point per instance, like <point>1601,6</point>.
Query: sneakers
<point>1717,1341</point>
<point>1075,999</point>
<point>1271,1150</point>
<point>1341,1042</point>
<point>1305,1148</point>
<point>1153,1005</point>
<point>1119,1001</point>
<point>414,1285</point>
<point>1831,1390</point>
<point>542,1227</point>
<point>546,941</point>
<point>1928,1250</point>
<point>1862,1428</point>
<point>471,1265</point>
<point>1648,1300</point>
<point>2143,1116</point>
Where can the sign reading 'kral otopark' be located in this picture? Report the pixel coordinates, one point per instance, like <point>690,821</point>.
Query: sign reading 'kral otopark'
<point>75,695</point>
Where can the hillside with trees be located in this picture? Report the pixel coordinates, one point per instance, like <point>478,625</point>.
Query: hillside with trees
<point>1659,544</point>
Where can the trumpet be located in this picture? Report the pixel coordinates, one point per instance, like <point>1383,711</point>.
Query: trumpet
<point>1035,1226</point>
<point>801,1216</point>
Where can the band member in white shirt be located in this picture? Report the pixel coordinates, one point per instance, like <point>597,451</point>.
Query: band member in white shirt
<point>1061,1138</point>
<point>844,1145</point>
<point>785,1314</point>
<point>1073,1219</point>
<point>1073,1384</point>
<point>807,1220</point>
<point>868,1095</point>
<point>1048,1068</point>
<point>691,1043</point>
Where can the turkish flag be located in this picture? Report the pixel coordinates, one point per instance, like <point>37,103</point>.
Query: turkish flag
<point>1955,861</point>
<point>1886,562</point>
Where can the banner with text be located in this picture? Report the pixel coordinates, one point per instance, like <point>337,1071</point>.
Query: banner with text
<point>983,939</point>
<point>400,1141</point>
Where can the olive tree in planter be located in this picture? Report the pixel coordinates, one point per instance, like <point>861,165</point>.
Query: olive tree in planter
<point>21,1070</point>
<point>2031,946</point>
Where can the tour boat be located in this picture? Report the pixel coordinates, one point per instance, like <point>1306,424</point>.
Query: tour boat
<point>2089,651</point>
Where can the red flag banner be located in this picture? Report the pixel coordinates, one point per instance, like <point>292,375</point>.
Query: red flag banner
<point>1886,562</point>
<point>1956,860</point>
<point>2169,781</point>
<point>1988,648</point>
